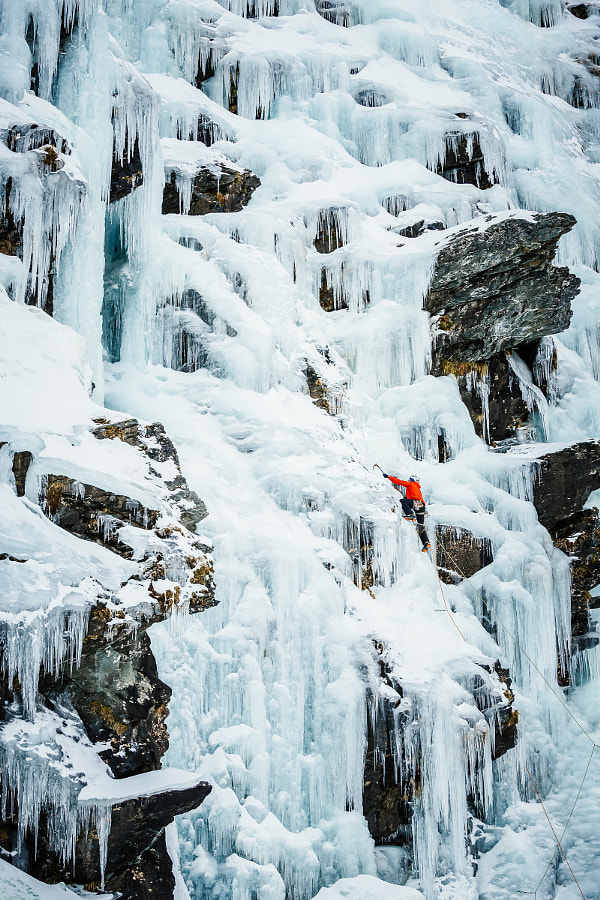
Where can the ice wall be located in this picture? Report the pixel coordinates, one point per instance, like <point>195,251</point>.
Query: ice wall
<point>366,122</point>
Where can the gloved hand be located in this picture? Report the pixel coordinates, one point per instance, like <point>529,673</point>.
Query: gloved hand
<point>384,474</point>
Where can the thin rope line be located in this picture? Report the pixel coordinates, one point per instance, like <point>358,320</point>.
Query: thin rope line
<point>444,599</point>
<point>524,652</point>
<point>555,834</point>
<point>569,819</point>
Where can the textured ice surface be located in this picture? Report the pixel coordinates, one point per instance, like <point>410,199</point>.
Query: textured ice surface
<point>347,126</point>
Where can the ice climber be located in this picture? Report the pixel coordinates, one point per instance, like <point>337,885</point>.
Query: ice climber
<point>413,505</point>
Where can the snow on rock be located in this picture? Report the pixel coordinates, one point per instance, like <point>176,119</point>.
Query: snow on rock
<point>366,887</point>
<point>20,886</point>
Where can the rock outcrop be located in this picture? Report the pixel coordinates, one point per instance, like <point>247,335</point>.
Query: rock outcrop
<point>564,480</point>
<point>112,698</point>
<point>583,10</point>
<point>138,865</point>
<point>391,784</point>
<point>47,158</point>
<point>494,287</point>
<point>459,554</point>
<point>493,296</point>
<point>218,187</point>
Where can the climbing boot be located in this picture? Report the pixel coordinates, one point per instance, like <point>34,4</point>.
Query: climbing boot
<point>426,547</point>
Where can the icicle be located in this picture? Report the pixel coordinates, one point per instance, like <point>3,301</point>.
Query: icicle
<point>42,641</point>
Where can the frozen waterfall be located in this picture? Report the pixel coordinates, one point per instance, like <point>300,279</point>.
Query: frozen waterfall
<point>282,341</point>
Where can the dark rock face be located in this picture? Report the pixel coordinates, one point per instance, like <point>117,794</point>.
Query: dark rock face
<point>460,554</point>
<point>582,10</point>
<point>579,537</point>
<point>227,190</point>
<point>418,228</point>
<point>50,150</point>
<point>498,708</point>
<point>208,131</point>
<point>24,137</point>
<point>316,388</point>
<point>464,162</point>
<point>387,800</point>
<point>114,694</point>
<point>11,233</point>
<point>329,236</point>
<point>126,173</point>
<point>506,408</point>
<point>119,696</point>
<point>20,466</point>
<point>564,481</point>
<point>138,864</point>
<point>93,513</point>
<point>327,298</point>
<point>496,288</point>
<point>390,785</point>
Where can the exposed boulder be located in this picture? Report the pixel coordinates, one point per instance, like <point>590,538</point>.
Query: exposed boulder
<point>583,10</point>
<point>494,287</point>
<point>215,185</point>
<point>418,227</point>
<point>138,865</point>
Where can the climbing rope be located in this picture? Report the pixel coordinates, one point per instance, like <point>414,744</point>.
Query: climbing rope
<point>549,685</point>
<point>444,597</point>
<point>555,835</point>
<point>518,645</point>
<point>566,826</point>
<point>565,707</point>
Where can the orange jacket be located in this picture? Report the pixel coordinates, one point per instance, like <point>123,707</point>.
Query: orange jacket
<point>413,488</point>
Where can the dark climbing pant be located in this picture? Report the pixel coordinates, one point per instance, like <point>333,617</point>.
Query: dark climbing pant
<point>417,512</point>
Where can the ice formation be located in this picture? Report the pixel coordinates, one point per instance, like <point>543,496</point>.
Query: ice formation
<point>355,116</point>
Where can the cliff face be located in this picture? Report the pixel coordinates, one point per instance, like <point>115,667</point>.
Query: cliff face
<point>494,287</point>
<point>100,527</point>
<point>493,296</point>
